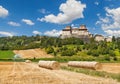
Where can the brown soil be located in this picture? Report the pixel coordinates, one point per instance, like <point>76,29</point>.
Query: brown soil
<point>31,53</point>
<point>30,73</point>
<point>111,67</point>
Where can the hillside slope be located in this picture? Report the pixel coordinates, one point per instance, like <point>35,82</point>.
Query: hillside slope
<point>31,53</point>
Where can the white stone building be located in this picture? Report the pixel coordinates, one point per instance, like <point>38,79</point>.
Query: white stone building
<point>108,39</point>
<point>99,38</point>
<point>81,32</point>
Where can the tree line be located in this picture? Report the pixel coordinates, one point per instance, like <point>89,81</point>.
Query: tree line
<point>63,47</point>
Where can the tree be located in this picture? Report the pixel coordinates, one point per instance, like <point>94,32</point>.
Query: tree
<point>50,50</point>
<point>113,38</point>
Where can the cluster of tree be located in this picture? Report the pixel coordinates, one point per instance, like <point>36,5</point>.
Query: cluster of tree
<point>24,42</point>
<point>93,48</point>
<point>55,45</point>
<point>19,42</point>
<point>103,47</point>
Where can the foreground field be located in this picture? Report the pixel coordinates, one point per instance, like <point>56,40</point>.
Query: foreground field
<point>30,73</point>
<point>33,53</point>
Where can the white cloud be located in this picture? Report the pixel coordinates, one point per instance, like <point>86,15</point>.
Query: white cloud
<point>3,12</point>
<point>3,33</point>
<point>43,11</point>
<point>13,23</point>
<point>36,32</point>
<point>28,22</point>
<point>53,33</point>
<point>113,32</point>
<point>69,11</point>
<point>96,3</point>
<point>111,22</point>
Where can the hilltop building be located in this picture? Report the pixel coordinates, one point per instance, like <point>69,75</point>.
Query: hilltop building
<point>99,38</point>
<point>108,39</point>
<point>81,32</point>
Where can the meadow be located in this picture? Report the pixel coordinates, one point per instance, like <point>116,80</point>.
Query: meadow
<point>6,54</point>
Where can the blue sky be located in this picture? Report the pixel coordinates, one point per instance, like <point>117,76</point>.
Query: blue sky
<point>48,17</point>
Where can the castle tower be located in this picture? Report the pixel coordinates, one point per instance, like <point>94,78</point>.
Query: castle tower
<point>83,27</point>
<point>68,27</point>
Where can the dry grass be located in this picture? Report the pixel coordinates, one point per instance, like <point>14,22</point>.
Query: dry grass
<point>54,65</point>
<point>85,64</point>
<point>30,73</point>
<point>33,53</point>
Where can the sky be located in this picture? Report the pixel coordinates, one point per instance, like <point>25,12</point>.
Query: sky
<point>49,17</point>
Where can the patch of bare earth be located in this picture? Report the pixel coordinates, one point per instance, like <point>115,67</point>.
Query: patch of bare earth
<point>30,73</point>
<point>33,53</point>
<point>111,67</point>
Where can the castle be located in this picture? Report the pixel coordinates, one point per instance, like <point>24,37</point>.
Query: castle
<point>81,32</point>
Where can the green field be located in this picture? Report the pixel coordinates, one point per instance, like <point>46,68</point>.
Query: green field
<point>6,54</point>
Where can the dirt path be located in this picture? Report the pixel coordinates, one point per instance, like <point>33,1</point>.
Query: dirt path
<point>29,73</point>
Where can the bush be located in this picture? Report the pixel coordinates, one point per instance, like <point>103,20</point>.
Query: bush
<point>68,52</point>
<point>93,52</point>
<point>49,50</point>
<point>111,53</point>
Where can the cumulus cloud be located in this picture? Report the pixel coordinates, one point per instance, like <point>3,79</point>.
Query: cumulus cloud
<point>28,22</point>
<point>3,33</point>
<point>53,33</point>
<point>111,22</point>
<point>113,32</point>
<point>3,12</point>
<point>69,11</point>
<point>13,23</point>
<point>36,32</point>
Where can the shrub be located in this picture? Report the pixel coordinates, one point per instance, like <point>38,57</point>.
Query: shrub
<point>68,52</point>
<point>49,50</point>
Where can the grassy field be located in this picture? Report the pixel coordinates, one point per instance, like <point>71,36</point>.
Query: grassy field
<point>6,54</point>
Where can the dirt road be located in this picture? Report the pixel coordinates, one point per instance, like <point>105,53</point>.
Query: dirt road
<point>30,73</point>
